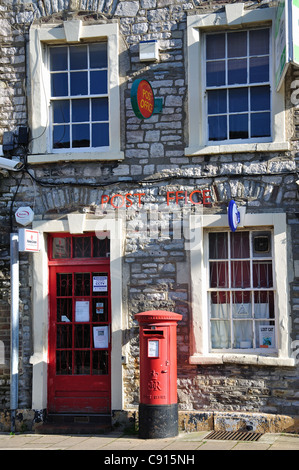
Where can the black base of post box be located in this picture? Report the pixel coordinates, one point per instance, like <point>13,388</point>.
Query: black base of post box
<point>158,421</point>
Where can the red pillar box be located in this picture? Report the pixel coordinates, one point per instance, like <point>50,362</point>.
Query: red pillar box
<point>158,408</point>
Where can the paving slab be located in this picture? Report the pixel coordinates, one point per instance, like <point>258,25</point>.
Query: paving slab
<point>117,442</point>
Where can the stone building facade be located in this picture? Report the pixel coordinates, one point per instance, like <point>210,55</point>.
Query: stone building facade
<point>153,166</point>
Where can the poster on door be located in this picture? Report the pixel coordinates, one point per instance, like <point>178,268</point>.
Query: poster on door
<point>100,337</point>
<point>82,310</point>
<point>100,283</point>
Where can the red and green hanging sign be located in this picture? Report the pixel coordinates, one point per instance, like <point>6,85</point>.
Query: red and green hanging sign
<point>143,101</point>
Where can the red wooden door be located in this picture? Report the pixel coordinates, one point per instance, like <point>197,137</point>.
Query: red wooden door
<point>79,336</point>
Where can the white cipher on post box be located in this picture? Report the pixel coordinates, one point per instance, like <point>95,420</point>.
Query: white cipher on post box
<point>28,240</point>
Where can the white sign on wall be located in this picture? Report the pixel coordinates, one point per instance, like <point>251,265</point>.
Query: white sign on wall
<point>28,240</point>
<point>286,38</point>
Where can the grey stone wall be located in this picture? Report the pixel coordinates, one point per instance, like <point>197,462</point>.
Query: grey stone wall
<point>156,272</point>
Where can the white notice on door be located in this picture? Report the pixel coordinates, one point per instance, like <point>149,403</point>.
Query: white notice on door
<point>82,310</point>
<point>99,283</point>
<point>100,336</point>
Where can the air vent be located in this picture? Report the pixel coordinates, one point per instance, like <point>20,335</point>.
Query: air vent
<point>234,436</point>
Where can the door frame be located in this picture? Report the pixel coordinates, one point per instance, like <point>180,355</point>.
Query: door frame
<point>40,304</point>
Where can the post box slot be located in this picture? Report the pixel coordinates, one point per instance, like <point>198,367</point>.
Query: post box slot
<point>153,333</point>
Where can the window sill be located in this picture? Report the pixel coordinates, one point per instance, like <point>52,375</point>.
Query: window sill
<point>246,359</point>
<point>75,157</point>
<point>238,148</point>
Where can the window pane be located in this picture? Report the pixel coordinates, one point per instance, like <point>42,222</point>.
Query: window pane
<point>220,334</point>
<point>61,247</point>
<point>82,336</point>
<point>99,310</point>
<point>220,305</point>
<point>64,310</point>
<point>218,274</point>
<point>82,363</point>
<point>238,100</point>
<point>64,336</point>
<point>265,337</point>
<point>218,245</point>
<point>80,135</point>
<point>243,334</point>
<point>80,110</point>
<point>239,244</point>
<point>98,82</point>
<point>99,109</point>
<point>100,135</point>
<point>61,111</point>
<point>64,284</point>
<point>217,101</point>
<point>98,55</point>
<point>100,362</point>
<point>237,71</point>
<point>237,44</point>
<point>260,98</point>
<point>58,58</point>
<point>240,271</point>
<point>79,85</point>
<point>241,304</point>
<point>262,274</point>
<point>215,46</point>
<point>78,57</point>
<point>82,284</point>
<point>259,42</point>
<point>101,247</point>
<point>238,126</point>
<point>61,137</point>
<point>217,128</point>
<point>261,244</point>
<point>259,69</point>
<point>216,73</point>
<point>260,125</point>
<point>59,84</point>
<point>81,247</point>
<point>64,362</point>
<point>264,304</point>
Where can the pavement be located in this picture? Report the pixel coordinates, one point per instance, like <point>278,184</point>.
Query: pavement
<point>118,448</point>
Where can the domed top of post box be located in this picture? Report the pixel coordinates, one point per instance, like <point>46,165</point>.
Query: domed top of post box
<point>157,316</point>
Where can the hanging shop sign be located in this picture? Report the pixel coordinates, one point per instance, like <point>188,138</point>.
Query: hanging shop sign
<point>233,216</point>
<point>286,38</point>
<point>28,240</point>
<point>143,101</point>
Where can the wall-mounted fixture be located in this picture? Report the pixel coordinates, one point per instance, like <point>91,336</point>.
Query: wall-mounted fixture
<point>148,51</point>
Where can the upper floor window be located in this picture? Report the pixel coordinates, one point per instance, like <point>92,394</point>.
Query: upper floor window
<point>238,85</point>
<point>79,96</point>
<point>233,105</point>
<point>75,97</point>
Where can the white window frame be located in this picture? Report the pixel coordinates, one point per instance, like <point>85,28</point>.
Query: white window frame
<point>69,98</point>
<point>229,289</point>
<point>200,352</point>
<point>42,35</point>
<point>246,86</point>
<point>234,18</point>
